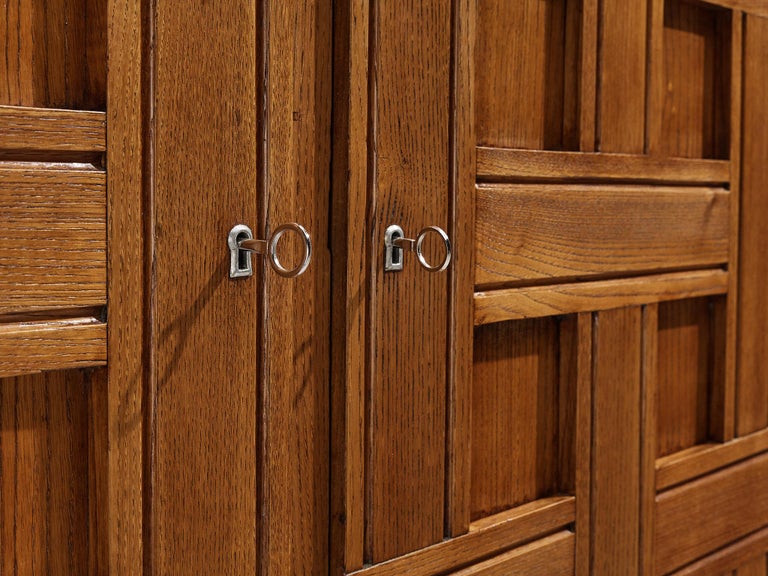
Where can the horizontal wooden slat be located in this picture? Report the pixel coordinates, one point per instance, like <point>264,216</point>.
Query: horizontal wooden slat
<point>52,345</point>
<point>52,239</point>
<point>725,560</point>
<point>502,164</point>
<point>540,232</point>
<point>60,130</point>
<point>494,534</point>
<point>538,301</point>
<point>705,458</point>
<point>551,556</point>
<point>722,507</point>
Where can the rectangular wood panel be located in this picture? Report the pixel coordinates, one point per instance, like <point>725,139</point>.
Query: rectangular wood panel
<point>43,129</point>
<point>734,496</point>
<point>54,54</point>
<point>722,562</point>
<point>616,464</point>
<point>551,556</point>
<point>44,474</point>
<point>410,184</point>
<point>53,228</point>
<point>752,386</point>
<point>52,345</point>
<point>534,232</point>
<point>515,414</point>
<point>522,68</point>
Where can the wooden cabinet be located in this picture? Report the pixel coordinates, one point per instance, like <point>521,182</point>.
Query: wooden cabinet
<point>581,392</point>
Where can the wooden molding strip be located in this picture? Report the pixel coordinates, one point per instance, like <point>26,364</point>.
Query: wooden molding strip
<point>495,534</point>
<point>702,459</point>
<point>502,164</point>
<point>727,559</point>
<point>27,129</point>
<point>539,301</point>
<point>28,348</point>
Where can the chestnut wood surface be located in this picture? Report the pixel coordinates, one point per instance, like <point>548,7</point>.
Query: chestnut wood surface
<point>24,129</point>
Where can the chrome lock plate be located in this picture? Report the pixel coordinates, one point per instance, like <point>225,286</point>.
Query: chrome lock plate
<point>240,264</point>
<point>241,244</point>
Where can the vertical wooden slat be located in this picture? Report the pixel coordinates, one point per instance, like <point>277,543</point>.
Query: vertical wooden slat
<point>583,452</point>
<point>410,178</point>
<point>588,75</point>
<point>349,286</point>
<point>206,358</point>
<point>757,567</point>
<point>622,74</point>
<point>722,425</point>
<point>297,311</point>
<point>648,435</point>
<point>125,290</point>
<point>656,88</point>
<point>462,271</point>
<point>752,386</point>
<point>616,444</point>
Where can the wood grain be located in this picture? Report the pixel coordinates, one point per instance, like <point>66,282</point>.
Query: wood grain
<point>752,386</point>
<point>205,358</point>
<point>622,76</point>
<point>705,458</point>
<point>534,232</point>
<point>551,556</point>
<point>520,82</point>
<point>729,495</point>
<point>536,301</point>
<point>52,238</point>
<point>349,284</point>
<point>651,351</point>
<point>754,7</point>
<point>696,84</point>
<point>43,129</point>
<point>582,453</point>
<point>729,558</point>
<point>296,312</point>
<point>44,474</point>
<point>508,165</point>
<point>128,486</point>
<point>616,469</point>
<point>490,535</point>
<point>462,233</point>
<point>52,345</point>
<point>515,414</point>
<point>54,54</point>
<point>685,372</point>
<point>409,175</point>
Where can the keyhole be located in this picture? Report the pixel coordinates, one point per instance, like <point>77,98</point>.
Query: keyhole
<point>243,256</point>
<point>397,253</point>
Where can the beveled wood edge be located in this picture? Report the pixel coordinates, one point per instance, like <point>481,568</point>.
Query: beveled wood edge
<point>507,164</point>
<point>703,459</point>
<point>728,558</point>
<point>539,301</point>
<point>46,345</point>
<point>754,7</point>
<point>26,128</point>
<point>492,535</point>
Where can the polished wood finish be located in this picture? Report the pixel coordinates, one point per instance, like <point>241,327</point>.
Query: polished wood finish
<point>752,386</point>
<point>538,232</point>
<point>53,239</point>
<point>409,180</point>
<point>23,129</point>
<point>54,54</point>
<point>485,537</point>
<point>729,496</point>
<point>732,560</point>
<point>538,301</point>
<point>551,556</point>
<point>52,345</point>
<point>508,165</point>
<point>204,357</point>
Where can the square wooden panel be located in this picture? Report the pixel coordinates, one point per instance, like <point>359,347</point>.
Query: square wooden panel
<point>527,73</point>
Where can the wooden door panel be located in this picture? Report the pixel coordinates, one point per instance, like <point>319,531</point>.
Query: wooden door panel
<point>529,232</point>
